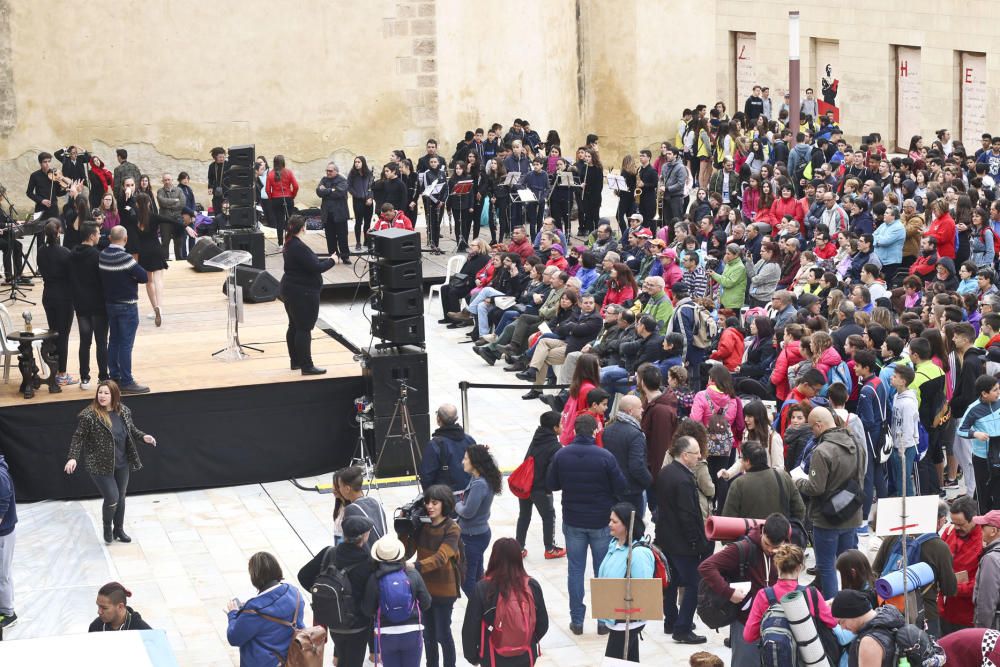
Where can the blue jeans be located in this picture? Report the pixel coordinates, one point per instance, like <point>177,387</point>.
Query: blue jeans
<point>897,474</point>
<point>403,650</point>
<point>614,380</point>
<point>876,483</point>
<point>683,573</point>
<point>830,543</point>
<point>123,321</point>
<point>475,548</point>
<point>578,540</point>
<point>507,318</point>
<point>437,630</point>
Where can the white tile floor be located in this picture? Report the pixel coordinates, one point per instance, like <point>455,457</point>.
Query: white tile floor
<point>190,549</point>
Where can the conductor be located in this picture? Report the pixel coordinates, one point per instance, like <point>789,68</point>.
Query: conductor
<point>300,287</point>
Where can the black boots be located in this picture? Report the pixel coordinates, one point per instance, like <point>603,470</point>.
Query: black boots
<point>120,535</point>
<point>108,512</point>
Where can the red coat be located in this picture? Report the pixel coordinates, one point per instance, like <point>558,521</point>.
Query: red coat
<point>524,248</point>
<point>965,551</point>
<point>730,350</point>
<point>398,220</point>
<point>616,295</point>
<point>943,231</point>
<point>924,267</point>
<point>791,206</point>
<point>826,252</point>
<point>575,407</point>
<point>790,355</point>
<point>562,263</point>
<point>286,187</point>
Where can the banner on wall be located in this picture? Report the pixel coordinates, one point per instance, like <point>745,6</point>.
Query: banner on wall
<point>908,98</point>
<point>746,76</point>
<point>827,73</point>
<point>973,84</point>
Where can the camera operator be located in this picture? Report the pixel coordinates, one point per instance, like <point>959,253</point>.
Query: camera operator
<point>442,459</point>
<point>437,543</point>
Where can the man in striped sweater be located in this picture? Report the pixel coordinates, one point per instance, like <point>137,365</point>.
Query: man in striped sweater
<point>120,277</point>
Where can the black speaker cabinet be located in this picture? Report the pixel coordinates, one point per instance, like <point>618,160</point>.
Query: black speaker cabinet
<point>243,217</point>
<point>258,286</point>
<point>241,197</point>
<point>250,240</point>
<point>238,176</point>
<point>401,331</point>
<point>205,248</point>
<point>383,372</point>
<point>399,303</point>
<point>390,452</point>
<point>242,156</point>
<point>399,275</point>
<point>397,245</point>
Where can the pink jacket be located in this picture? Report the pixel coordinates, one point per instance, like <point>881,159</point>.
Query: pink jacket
<point>701,411</point>
<point>828,360</point>
<point>751,631</point>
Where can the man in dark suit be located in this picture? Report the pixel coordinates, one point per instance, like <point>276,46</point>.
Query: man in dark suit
<point>332,189</point>
<point>680,534</point>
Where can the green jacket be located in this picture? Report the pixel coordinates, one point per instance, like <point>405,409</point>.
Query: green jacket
<point>660,309</point>
<point>733,280</point>
<point>551,304</point>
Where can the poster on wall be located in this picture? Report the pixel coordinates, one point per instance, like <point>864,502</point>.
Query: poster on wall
<point>746,77</point>
<point>908,102</point>
<point>973,82</point>
<point>827,74</point>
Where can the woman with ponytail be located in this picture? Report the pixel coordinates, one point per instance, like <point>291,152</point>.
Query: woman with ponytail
<point>113,612</point>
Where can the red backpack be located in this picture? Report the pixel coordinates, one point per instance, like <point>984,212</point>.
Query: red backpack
<point>661,570</point>
<point>996,239</point>
<point>513,626</point>
<point>522,479</point>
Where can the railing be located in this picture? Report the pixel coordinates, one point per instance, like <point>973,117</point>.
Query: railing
<point>464,387</point>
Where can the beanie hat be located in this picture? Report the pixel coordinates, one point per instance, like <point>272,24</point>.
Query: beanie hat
<point>850,604</point>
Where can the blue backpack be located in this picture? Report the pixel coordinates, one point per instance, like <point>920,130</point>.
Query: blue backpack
<point>895,560</point>
<point>778,647</point>
<point>395,598</point>
<point>839,373</point>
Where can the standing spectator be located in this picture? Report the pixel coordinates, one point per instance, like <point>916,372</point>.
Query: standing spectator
<point>261,640</point>
<point>965,542</point>
<point>332,191</point>
<point>981,424</point>
<point>872,410</point>
<point>172,202</point>
<point>761,491</point>
<point>625,440</point>
<point>590,481</point>
<point>350,482</point>
<point>836,463</point>
<point>441,462</point>
<point>8,520</point>
<point>506,587</point>
<point>680,533</point>
<point>437,546</point>
<point>720,398</point>
<point>986,591</point>
<point>473,509</point>
<point>398,644</point>
<point>544,445</point>
<point>125,169</point>
<point>57,295</point>
<point>942,228</point>
<point>217,189</point>
<point>89,303</point>
<point>659,419</point>
<point>120,277</point>
<point>281,189</point>
<point>113,612</point>
<point>904,431</point>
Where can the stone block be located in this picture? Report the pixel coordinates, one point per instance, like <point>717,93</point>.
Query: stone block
<point>426,9</point>
<point>412,137</point>
<point>405,11</point>
<point>406,65</point>
<point>401,27</point>
<point>424,27</point>
<point>424,47</point>
<point>428,65</point>
<point>427,80</point>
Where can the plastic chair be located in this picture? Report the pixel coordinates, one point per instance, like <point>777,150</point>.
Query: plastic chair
<point>9,349</point>
<point>455,262</point>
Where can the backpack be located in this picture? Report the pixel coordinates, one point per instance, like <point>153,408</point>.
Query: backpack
<point>661,567</point>
<point>395,598</point>
<point>919,648</point>
<point>522,479</point>
<point>706,329</point>
<point>882,442</point>
<point>718,611</point>
<point>895,559</point>
<point>720,433</point>
<point>332,596</point>
<point>513,626</point>
<point>777,644</point>
<point>840,373</point>
<point>306,646</point>
<point>996,240</point>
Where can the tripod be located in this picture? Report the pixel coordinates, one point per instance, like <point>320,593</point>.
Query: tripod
<point>401,411</point>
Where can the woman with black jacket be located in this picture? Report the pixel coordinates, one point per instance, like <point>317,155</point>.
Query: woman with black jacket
<point>461,206</point>
<point>487,191</point>
<point>299,290</point>
<point>75,213</point>
<point>409,176</point>
<point>501,200</point>
<point>502,595</point>
<point>561,199</point>
<point>88,302</point>
<point>359,185</point>
<point>593,190</point>
<point>626,198</point>
<point>452,294</point>
<point>759,353</point>
<point>544,445</point>
<point>433,204</point>
<point>108,441</point>
<point>57,295</point>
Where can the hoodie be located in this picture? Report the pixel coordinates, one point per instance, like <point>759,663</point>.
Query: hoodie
<point>791,354</point>
<point>8,504</point>
<point>835,460</point>
<point>904,420</point>
<point>798,157</point>
<point>544,444</point>
<point>983,417</point>
<point>258,638</point>
<point>702,410</point>
<point>85,280</point>
<point>133,621</point>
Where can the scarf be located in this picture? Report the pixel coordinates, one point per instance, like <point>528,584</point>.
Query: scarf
<point>102,174</point>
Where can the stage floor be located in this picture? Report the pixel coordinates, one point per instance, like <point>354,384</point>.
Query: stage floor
<point>178,355</point>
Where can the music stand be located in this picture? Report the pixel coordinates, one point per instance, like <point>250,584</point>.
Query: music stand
<point>434,189</point>
<point>617,183</point>
<point>462,188</point>
<point>229,260</point>
<point>512,178</point>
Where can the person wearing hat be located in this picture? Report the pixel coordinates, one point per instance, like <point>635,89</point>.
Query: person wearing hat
<point>557,258</point>
<point>670,268</point>
<point>986,592</point>
<point>874,643</point>
<point>398,644</point>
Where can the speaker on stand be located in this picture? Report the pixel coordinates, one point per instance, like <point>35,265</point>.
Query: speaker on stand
<point>258,285</point>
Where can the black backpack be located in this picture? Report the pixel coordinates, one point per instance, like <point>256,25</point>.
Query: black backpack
<point>333,598</point>
<point>717,611</point>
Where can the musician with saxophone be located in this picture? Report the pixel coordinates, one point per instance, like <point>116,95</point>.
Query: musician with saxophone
<point>645,194</point>
<point>45,186</point>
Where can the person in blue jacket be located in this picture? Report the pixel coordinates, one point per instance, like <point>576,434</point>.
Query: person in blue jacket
<point>614,566</point>
<point>889,238</point>
<point>981,425</point>
<point>262,626</point>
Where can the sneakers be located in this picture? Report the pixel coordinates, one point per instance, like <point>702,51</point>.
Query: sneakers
<point>85,384</point>
<point>951,483</point>
<point>576,629</point>
<point>65,379</point>
<point>863,530</point>
<point>134,388</point>
<point>7,620</point>
<point>555,552</point>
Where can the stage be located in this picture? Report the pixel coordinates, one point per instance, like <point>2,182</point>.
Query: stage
<point>217,423</point>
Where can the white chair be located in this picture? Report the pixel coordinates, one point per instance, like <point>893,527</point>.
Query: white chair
<point>9,349</point>
<point>455,262</point>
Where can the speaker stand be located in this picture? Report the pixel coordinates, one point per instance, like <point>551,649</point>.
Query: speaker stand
<point>234,351</point>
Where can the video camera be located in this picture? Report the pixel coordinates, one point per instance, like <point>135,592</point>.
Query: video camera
<point>406,520</point>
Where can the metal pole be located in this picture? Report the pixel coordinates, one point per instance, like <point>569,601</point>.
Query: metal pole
<point>464,388</point>
<point>794,103</point>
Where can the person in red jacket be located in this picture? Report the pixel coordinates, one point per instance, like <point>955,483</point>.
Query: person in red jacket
<point>791,354</point>
<point>390,218</point>
<point>942,229</point>
<point>281,188</point>
<point>730,349</point>
<point>824,248</point>
<point>787,204</point>
<point>965,541</point>
<point>926,264</point>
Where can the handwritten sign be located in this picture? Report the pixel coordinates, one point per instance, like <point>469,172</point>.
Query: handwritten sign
<point>746,76</point>
<point>908,95</point>
<point>973,82</point>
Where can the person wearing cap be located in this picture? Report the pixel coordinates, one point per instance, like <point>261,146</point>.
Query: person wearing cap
<point>653,249</point>
<point>671,270</point>
<point>986,593</point>
<point>874,642</point>
<point>733,279</point>
<point>397,644</point>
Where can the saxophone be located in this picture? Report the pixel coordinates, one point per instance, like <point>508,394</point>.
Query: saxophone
<point>659,203</point>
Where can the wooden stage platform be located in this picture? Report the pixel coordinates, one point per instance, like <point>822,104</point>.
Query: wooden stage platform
<point>177,356</point>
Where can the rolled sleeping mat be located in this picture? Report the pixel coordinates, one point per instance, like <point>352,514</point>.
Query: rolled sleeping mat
<point>796,608</point>
<point>892,584</point>
<point>727,528</point>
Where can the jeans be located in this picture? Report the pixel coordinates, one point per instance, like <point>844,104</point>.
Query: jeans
<point>112,489</point>
<point>614,380</point>
<point>93,328</point>
<point>828,544</point>
<point>897,473</point>
<point>578,540</point>
<point>481,309</point>
<point>543,502</point>
<point>123,321</point>
<point>6,566</point>
<point>876,483</point>
<point>683,574</point>
<point>351,648</point>
<point>59,314</point>
<point>302,308</point>
<point>475,549</point>
<point>404,650</point>
<point>745,654</point>
<point>437,630</point>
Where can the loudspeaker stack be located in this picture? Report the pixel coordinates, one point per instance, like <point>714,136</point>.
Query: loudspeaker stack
<point>239,187</point>
<point>396,279</point>
<point>384,372</point>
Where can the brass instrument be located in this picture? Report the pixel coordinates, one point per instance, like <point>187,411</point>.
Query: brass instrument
<point>638,190</point>
<point>659,203</point>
